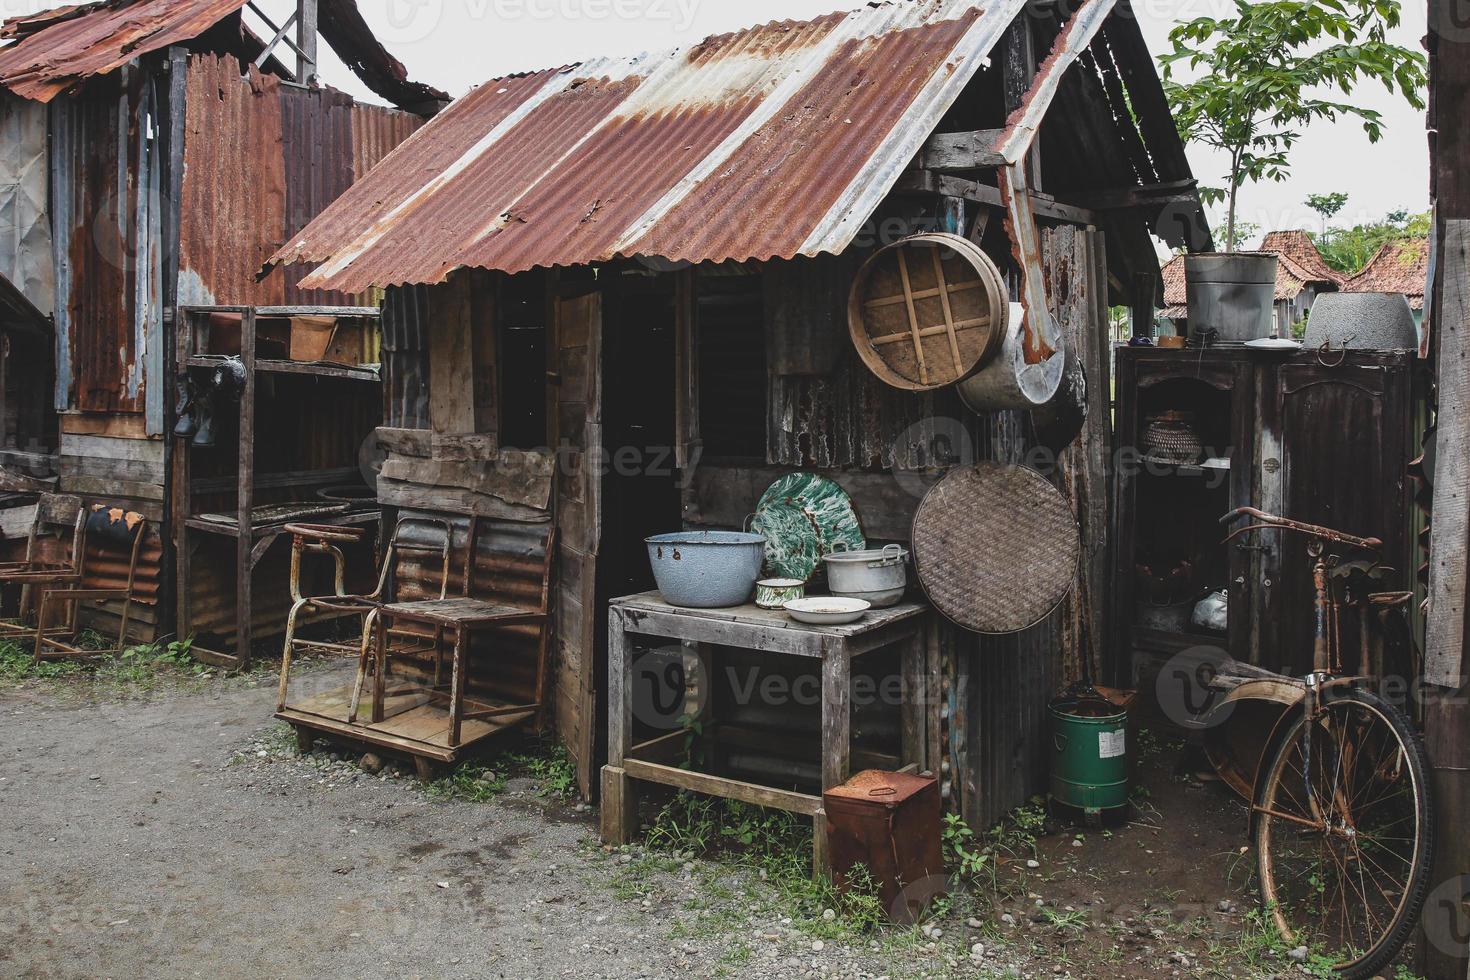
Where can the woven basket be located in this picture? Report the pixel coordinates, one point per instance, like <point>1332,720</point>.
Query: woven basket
<point>1171,438</point>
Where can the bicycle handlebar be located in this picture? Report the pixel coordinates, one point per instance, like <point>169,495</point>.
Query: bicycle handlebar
<point>1286,524</point>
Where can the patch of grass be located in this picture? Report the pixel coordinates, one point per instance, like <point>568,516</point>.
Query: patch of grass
<point>777,848</point>
<point>470,782</point>
<point>1261,947</point>
<point>145,663</point>
<point>18,663</point>
<point>480,781</point>
<point>550,766</point>
<point>1064,921</point>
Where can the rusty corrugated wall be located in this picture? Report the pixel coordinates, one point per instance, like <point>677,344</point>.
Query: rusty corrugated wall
<point>102,236</point>
<point>262,159</point>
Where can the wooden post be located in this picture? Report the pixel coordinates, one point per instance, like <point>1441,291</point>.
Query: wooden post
<point>244,562</point>
<point>1447,718</point>
<point>306,42</point>
<point>1018,54</point>
<point>1145,287</point>
<point>619,798</point>
<point>836,715</point>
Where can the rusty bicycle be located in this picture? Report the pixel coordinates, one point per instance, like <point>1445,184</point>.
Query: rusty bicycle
<point>1342,816</point>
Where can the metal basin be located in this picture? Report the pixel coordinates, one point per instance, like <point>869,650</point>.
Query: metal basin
<point>706,569</point>
<point>880,577</point>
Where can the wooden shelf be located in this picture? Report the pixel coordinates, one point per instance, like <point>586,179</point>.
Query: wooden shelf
<point>294,367</point>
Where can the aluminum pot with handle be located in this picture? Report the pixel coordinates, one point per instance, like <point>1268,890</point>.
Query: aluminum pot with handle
<point>878,576</point>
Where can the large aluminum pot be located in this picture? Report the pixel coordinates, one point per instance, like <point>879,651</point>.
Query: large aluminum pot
<point>1232,293</point>
<point>879,577</point>
<point>706,569</point>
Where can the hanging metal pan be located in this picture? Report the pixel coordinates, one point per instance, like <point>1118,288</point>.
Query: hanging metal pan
<point>996,547</point>
<point>928,311</point>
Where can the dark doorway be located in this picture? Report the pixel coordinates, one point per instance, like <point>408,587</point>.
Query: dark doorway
<point>641,493</point>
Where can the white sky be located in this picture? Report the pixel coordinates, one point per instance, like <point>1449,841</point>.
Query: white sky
<point>456,44</point>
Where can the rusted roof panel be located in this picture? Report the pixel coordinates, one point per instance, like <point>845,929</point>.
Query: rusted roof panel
<point>1298,247</point>
<point>64,47</point>
<point>768,143</point>
<point>1400,266</point>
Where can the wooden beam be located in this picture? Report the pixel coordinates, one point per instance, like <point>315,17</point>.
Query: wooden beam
<point>1149,196</point>
<point>1449,547</point>
<point>960,152</point>
<point>945,185</point>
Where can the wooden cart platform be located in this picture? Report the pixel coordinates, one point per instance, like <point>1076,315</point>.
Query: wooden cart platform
<point>411,723</point>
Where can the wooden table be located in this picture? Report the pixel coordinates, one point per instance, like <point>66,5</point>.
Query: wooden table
<point>753,628</point>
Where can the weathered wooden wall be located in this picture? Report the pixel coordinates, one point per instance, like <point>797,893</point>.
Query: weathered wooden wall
<point>880,445</point>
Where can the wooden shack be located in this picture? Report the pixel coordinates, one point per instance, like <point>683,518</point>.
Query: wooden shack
<point>617,302</point>
<point>156,154</point>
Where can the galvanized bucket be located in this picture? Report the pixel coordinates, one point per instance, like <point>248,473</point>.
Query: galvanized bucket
<point>1232,293</point>
<point>1090,761</point>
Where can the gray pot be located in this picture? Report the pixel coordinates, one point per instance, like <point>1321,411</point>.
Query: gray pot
<point>1233,293</point>
<point>706,569</point>
<point>879,577</point>
<point>1362,321</point>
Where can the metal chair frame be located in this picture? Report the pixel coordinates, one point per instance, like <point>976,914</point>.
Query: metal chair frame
<point>322,540</point>
<point>48,643</point>
<point>30,573</point>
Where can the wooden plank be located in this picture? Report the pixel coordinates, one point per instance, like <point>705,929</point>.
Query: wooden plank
<point>836,715</point>
<point>245,499</point>
<point>1449,543</point>
<point>451,356</point>
<point>103,447</point>
<point>730,789</point>
<point>973,150</point>
<point>113,426</point>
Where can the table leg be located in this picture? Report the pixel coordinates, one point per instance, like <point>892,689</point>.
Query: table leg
<point>619,795</point>
<point>821,854</point>
<point>836,716</point>
<point>457,669</point>
<point>914,698</point>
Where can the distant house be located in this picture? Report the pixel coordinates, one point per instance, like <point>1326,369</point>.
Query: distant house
<point>1400,266</point>
<point>1301,276</point>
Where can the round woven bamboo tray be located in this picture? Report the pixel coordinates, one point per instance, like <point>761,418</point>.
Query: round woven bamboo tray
<point>996,547</point>
<point>928,311</point>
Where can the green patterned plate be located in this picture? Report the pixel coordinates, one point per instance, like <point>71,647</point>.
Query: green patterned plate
<point>803,516</point>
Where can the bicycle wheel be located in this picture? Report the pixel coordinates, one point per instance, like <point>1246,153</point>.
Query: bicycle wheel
<point>1345,832</point>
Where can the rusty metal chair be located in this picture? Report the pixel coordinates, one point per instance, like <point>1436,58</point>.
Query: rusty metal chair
<point>57,516</point>
<point>324,541</point>
<point>108,531</point>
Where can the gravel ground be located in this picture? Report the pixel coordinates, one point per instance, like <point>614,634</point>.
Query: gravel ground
<point>179,835</point>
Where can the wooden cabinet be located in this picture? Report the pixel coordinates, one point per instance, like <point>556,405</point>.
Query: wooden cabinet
<point>1326,440</point>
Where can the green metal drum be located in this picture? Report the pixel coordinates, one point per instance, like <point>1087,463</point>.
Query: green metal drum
<point>1090,761</point>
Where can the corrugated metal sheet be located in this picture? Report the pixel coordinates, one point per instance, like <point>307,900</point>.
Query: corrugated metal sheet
<point>772,142</point>
<point>25,232</point>
<point>95,166</point>
<point>94,40</point>
<point>261,160</point>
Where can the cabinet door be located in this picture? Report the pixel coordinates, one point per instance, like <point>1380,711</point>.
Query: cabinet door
<point>1335,453</point>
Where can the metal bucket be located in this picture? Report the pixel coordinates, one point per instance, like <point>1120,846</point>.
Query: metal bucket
<point>1090,761</point>
<point>1232,293</point>
<point>1007,381</point>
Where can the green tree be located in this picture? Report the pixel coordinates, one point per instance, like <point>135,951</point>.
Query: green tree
<point>1264,72</point>
<point>1327,205</point>
<point>1348,250</point>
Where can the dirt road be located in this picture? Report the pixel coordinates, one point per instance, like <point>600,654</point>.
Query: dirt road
<point>180,836</point>
<point>149,840</point>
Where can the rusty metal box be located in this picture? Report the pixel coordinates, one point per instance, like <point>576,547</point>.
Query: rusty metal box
<point>890,823</point>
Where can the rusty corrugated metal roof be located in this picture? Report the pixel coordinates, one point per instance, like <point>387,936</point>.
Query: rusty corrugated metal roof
<point>59,49</point>
<point>767,143</point>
